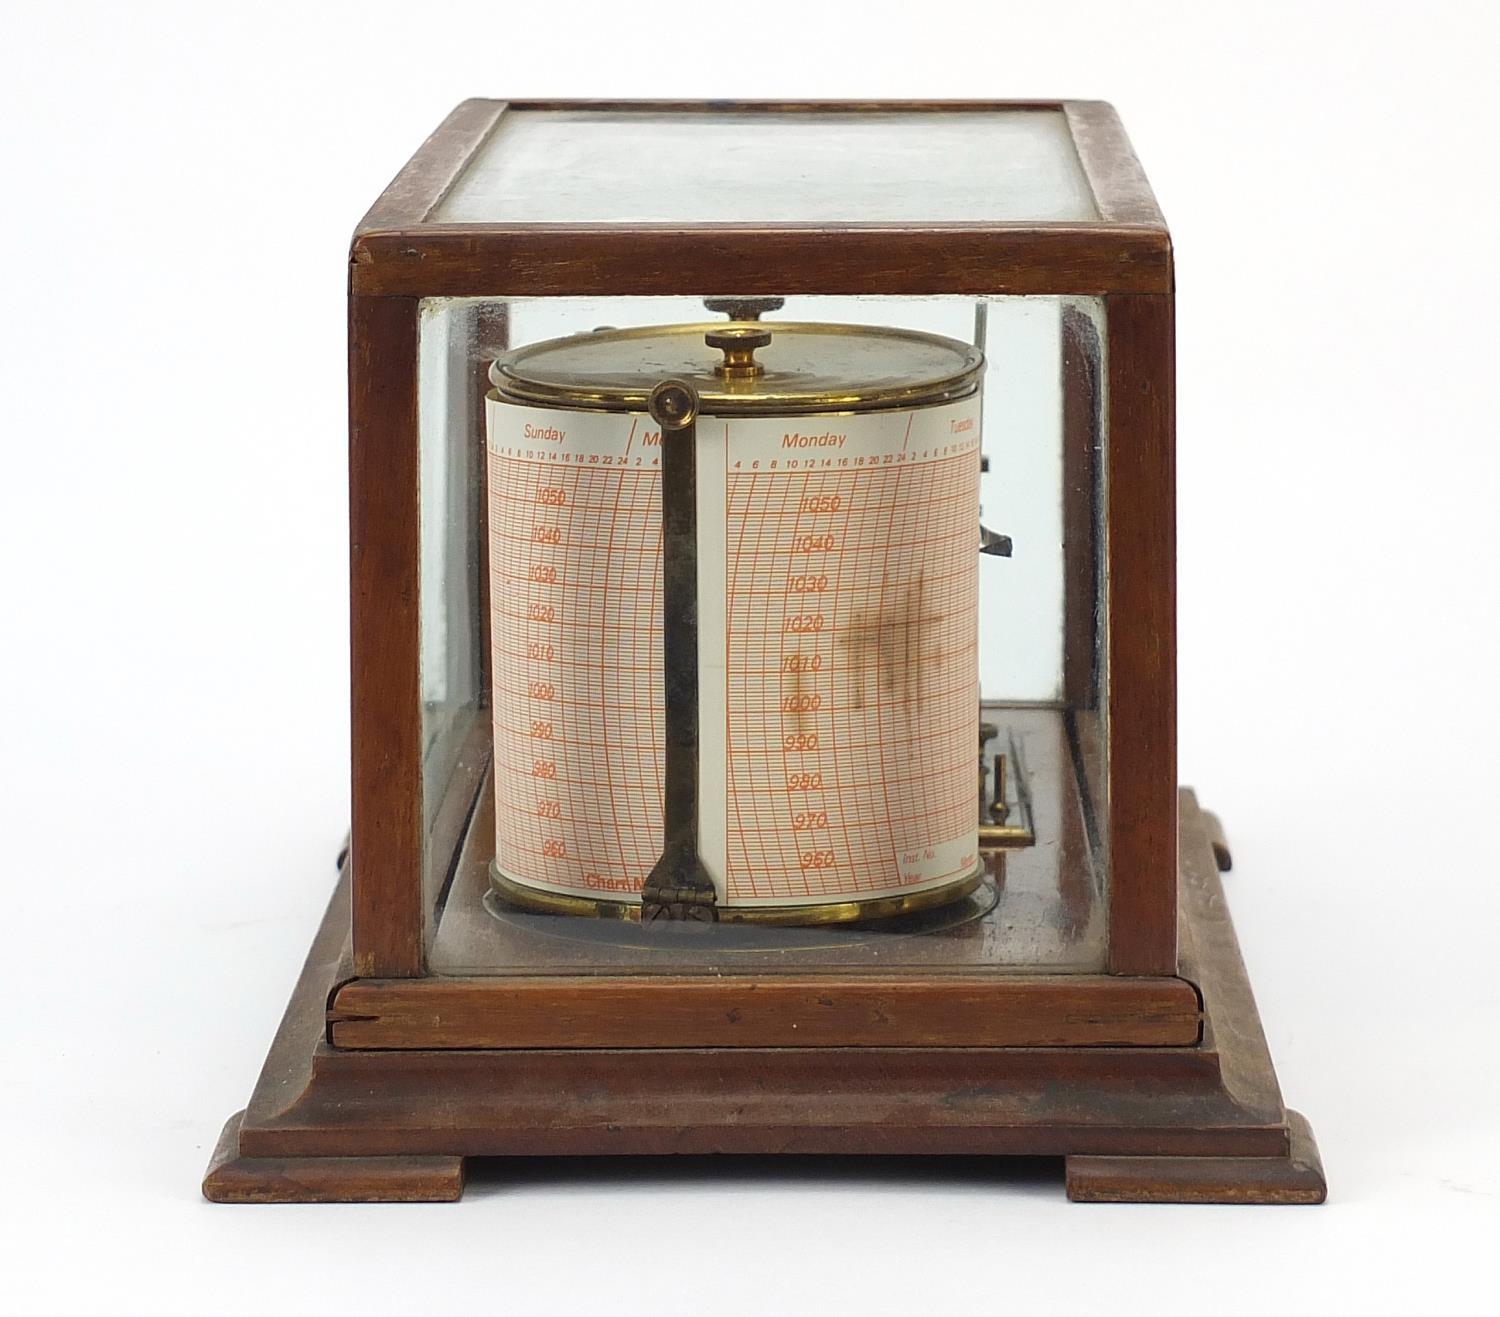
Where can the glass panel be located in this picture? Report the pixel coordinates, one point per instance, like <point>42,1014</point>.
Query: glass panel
<point>458,338</point>
<point>944,166</point>
<point>577,636</point>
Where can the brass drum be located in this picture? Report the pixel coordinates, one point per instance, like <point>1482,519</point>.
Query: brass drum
<point>834,492</point>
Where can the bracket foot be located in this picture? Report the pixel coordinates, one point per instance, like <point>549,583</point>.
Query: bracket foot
<point>1295,1178</point>
<point>232,1178</point>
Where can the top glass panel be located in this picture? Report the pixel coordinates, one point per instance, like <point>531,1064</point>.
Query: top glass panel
<point>765,167</point>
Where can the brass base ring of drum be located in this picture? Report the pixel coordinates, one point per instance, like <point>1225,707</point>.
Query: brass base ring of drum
<point>832,912</point>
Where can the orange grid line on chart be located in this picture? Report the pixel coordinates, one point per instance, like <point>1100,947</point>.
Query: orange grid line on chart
<point>892,634</point>
<point>594,606</point>
<point>884,762</point>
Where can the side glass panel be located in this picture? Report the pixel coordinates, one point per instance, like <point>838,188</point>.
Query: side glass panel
<point>458,339</point>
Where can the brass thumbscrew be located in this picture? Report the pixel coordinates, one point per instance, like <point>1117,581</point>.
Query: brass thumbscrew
<point>739,344</point>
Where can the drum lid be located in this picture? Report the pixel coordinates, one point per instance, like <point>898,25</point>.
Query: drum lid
<point>768,368</point>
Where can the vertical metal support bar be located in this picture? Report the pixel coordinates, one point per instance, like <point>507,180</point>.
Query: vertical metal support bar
<point>678,886</point>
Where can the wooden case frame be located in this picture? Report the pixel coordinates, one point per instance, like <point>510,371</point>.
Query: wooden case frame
<point>1156,1085</point>
<point>398,257</point>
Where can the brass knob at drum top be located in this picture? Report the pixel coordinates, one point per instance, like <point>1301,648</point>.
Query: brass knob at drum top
<point>739,344</point>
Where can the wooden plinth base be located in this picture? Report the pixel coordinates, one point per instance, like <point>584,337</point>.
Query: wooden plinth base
<point>1195,1123</point>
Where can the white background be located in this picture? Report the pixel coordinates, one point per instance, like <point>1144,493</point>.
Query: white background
<point>179,186</point>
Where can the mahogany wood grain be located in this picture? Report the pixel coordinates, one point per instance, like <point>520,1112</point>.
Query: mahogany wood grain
<point>386,846</point>
<point>826,1010</point>
<point>1296,1179</point>
<point>321,1102</point>
<point>231,1178</point>
<point>427,176</point>
<point>1046,1102</point>
<point>1210,958</point>
<point>1141,595</point>
<point>641,260</point>
<point>1122,194</point>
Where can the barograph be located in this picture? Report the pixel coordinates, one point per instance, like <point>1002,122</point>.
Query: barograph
<point>763,668</point>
